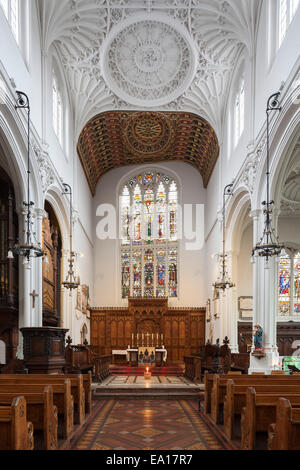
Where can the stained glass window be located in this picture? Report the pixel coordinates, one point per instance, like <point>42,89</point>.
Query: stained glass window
<point>289,285</point>
<point>173,273</point>
<point>125,274</point>
<point>284,285</point>
<point>297,284</point>
<point>148,232</point>
<point>125,210</point>
<point>161,274</point>
<point>137,273</point>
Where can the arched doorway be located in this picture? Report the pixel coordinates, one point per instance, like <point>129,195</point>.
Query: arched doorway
<point>9,272</point>
<point>52,245</point>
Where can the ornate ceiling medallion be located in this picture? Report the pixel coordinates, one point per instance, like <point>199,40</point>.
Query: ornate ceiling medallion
<point>147,133</point>
<point>148,62</point>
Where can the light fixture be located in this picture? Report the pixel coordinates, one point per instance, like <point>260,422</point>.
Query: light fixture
<point>269,245</point>
<point>31,248</point>
<point>71,281</point>
<point>224,281</point>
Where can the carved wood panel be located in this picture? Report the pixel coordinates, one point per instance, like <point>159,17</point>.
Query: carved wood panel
<point>51,269</point>
<point>183,330</point>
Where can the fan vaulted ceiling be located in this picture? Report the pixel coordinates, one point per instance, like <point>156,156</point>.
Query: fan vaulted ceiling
<point>156,55</point>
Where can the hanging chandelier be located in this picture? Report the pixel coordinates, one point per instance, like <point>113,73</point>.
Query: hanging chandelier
<point>269,245</point>
<point>71,282</point>
<point>224,281</point>
<point>31,248</point>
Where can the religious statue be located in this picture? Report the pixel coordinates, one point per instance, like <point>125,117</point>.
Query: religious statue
<point>258,332</point>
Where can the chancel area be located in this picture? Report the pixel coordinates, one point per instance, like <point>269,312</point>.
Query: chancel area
<point>149,225</point>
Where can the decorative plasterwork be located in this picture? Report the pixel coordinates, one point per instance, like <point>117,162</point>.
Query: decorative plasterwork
<point>148,62</point>
<point>248,176</point>
<point>118,138</point>
<point>45,166</point>
<point>289,208</point>
<point>217,30</point>
<point>290,200</point>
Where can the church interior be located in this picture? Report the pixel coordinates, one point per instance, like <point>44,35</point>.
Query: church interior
<point>149,225</point>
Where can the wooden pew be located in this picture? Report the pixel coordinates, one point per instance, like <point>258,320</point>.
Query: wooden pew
<point>285,433</point>
<point>260,412</point>
<point>208,385</point>
<point>81,388</point>
<point>41,412</point>
<point>16,433</point>
<point>62,398</point>
<point>235,399</point>
<point>219,383</point>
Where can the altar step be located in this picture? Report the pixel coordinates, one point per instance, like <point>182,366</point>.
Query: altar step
<point>172,370</point>
<point>159,393</point>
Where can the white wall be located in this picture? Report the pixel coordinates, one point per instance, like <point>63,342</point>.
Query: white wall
<point>192,268</point>
<point>244,266</point>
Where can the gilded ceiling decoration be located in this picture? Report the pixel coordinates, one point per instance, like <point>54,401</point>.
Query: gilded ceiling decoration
<point>118,138</point>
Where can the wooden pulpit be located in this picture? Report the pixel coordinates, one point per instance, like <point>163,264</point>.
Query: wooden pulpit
<point>44,349</point>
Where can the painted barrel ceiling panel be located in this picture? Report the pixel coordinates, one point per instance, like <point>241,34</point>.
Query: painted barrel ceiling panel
<point>119,138</point>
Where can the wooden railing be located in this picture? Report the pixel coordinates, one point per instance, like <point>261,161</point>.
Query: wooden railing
<point>192,367</point>
<point>102,364</point>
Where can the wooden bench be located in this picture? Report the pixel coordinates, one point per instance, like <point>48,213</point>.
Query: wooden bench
<point>81,387</point>
<point>235,400</point>
<point>285,433</point>
<point>16,433</point>
<point>208,385</point>
<point>62,398</point>
<point>260,412</point>
<point>219,383</point>
<point>41,412</point>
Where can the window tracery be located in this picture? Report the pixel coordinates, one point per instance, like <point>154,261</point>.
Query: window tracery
<point>149,251</point>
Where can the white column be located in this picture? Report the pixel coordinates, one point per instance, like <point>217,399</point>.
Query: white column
<point>264,304</point>
<point>24,286</point>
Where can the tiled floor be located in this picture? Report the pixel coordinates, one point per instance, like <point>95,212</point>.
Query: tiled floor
<point>147,425</point>
<point>140,381</point>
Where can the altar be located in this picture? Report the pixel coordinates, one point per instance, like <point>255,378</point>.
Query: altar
<point>147,323</point>
<point>147,355</point>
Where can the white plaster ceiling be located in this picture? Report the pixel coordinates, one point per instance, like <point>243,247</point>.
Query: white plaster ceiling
<point>184,63</point>
<point>290,200</point>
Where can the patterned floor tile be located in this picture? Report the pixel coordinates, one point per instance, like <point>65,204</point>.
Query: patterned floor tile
<point>179,427</point>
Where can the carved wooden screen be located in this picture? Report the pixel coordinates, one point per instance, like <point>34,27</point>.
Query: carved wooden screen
<point>9,276</point>
<point>51,269</point>
<point>183,330</point>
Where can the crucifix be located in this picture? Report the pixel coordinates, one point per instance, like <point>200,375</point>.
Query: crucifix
<point>33,294</point>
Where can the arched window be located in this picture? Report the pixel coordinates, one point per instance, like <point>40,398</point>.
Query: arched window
<point>11,11</point>
<point>239,113</point>
<point>287,11</point>
<point>57,109</point>
<point>149,252</point>
<point>289,285</point>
